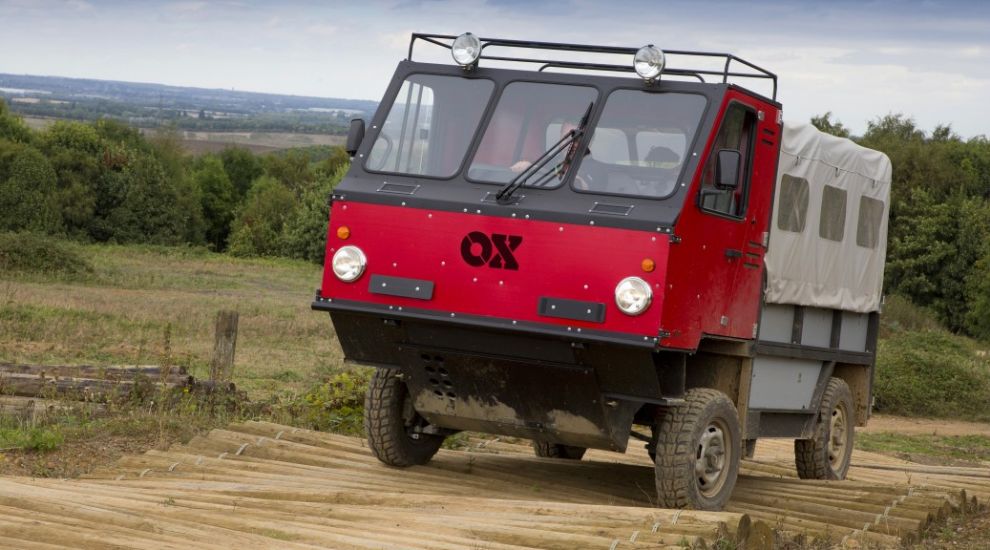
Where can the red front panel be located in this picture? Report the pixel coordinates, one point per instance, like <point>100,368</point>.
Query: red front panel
<point>555,260</point>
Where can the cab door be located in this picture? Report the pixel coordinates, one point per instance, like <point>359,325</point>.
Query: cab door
<point>729,219</point>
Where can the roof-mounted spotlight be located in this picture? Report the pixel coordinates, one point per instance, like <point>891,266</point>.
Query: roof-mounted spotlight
<point>649,62</point>
<point>466,50</point>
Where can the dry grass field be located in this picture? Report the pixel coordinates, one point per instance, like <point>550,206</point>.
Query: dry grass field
<point>120,313</point>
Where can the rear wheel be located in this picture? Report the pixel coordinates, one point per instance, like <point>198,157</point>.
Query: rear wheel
<point>828,453</point>
<point>394,428</point>
<point>698,452</point>
<point>556,450</point>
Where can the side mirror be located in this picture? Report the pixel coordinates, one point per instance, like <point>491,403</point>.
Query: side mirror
<point>355,136</point>
<point>727,169</point>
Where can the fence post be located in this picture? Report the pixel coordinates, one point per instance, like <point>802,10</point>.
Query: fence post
<point>222,362</point>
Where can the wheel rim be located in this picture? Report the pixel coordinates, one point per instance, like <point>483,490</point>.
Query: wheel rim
<point>712,458</point>
<point>837,433</point>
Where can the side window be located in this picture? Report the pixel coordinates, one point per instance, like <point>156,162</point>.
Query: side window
<point>792,211</point>
<point>737,133</point>
<point>833,221</point>
<point>870,217</point>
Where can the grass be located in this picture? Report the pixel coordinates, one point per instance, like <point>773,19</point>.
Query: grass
<point>118,312</point>
<point>964,447</point>
<point>30,438</point>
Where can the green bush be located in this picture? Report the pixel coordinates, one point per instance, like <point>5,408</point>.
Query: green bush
<point>34,253</point>
<point>931,374</point>
<point>337,405</point>
<point>257,230</point>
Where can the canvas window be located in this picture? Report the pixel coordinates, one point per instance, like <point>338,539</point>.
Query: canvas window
<point>870,218</point>
<point>792,212</point>
<point>833,220</point>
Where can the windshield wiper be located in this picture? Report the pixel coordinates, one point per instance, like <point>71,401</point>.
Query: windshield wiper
<point>504,195</point>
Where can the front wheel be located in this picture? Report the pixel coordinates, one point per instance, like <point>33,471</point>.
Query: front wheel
<point>698,452</point>
<point>828,453</point>
<point>394,428</point>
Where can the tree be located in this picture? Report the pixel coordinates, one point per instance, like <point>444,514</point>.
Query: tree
<point>292,169</point>
<point>257,231</point>
<point>824,123</point>
<point>978,291</point>
<point>149,211</point>
<point>242,167</point>
<point>12,127</point>
<point>27,190</point>
<point>218,201</point>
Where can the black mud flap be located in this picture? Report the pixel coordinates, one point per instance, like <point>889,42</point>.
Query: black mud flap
<point>544,401</point>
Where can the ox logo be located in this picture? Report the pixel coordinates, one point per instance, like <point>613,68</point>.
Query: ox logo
<point>479,249</point>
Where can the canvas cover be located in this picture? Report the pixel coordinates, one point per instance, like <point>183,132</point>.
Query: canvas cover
<point>828,238</point>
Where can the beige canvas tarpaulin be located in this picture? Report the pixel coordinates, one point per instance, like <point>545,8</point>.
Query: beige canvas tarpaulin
<point>828,238</point>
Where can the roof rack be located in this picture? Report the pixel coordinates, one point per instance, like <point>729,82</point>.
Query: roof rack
<point>446,40</point>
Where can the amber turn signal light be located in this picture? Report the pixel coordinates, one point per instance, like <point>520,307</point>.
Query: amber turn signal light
<point>648,265</point>
<point>343,232</point>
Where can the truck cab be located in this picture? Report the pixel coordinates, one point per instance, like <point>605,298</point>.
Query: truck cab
<point>580,253</point>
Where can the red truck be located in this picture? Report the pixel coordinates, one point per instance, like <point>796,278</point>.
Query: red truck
<point>582,244</point>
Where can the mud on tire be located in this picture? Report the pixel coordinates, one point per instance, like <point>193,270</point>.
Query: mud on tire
<point>556,450</point>
<point>698,452</point>
<point>828,453</point>
<point>391,422</point>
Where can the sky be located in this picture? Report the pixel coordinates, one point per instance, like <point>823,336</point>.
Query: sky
<point>929,60</point>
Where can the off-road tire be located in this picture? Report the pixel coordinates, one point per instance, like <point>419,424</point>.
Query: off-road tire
<point>389,434</point>
<point>679,450</point>
<point>814,458</point>
<point>556,450</point>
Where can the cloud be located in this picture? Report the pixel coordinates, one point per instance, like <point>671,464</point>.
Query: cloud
<point>322,29</point>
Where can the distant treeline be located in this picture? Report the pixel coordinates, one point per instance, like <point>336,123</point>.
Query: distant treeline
<point>103,181</point>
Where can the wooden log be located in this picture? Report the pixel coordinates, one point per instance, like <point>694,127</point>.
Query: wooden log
<point>33,409</point>
<point>925,469</point>
<point>153,373</point>
<point>84,389</point>
<point>224,345</point>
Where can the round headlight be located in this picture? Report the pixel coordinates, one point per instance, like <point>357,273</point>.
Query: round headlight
<point>633,295</point>
<point>348,263</point>
<point>649,62</point>
<point>466,49</point>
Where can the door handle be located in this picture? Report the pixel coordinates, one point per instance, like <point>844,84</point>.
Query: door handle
<point>732,253</point>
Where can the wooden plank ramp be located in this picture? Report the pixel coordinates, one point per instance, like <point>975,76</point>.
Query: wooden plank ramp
<point>261,485</point>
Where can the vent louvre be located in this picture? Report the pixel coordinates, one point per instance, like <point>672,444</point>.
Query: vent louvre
<point>613,209</point>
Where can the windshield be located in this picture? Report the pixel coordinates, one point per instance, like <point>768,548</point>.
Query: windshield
<point>520,132</point>
<point>640,143</point>
<point>430,125</point>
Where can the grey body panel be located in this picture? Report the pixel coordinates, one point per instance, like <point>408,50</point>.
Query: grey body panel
<point>853,335</point>
<point>817,327</point>
<point>777,323</point>
<point>784,384</point>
